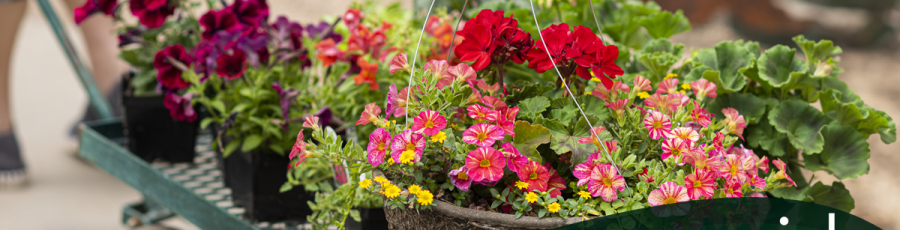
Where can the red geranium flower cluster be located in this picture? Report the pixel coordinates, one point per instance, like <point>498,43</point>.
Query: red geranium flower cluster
<point>441,30</point>
<point>490,38</point>
<point>579,52</point>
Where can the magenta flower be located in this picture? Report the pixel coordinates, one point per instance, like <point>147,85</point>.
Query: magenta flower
<point>733,189</point>
<point>251,12</point>
<point>480,112</point>
<point>668,86</point>
<point>399,62</point>
<point>756,181</point>
<point>379,141</point>
<point>756,194</point>
<point>311,122</point>
<point>658,124</point>
<point>605,182</point>
<point>668,193</point>
<point>733,169</point>
<point>704,88</point>
<point>583,171</point>
<point>676,149</point>
<point>684,133</point>
<point>429,122</point>
<point>180,108</point>
<point>641,84</point>
<point>485,164</point>
<point>700,183</point>
<point>460,178</point>
<point>702,162</point>
<point>483,134</point>
<point>168,73</point>
<point>396,102</point>
<point>514,160</point>
<point>700,115</point>
<point>218,20</point>
<point>507,120</point>
<point>734,122</point>
<point>299,149</point>
<point>407,141</point>
<point>369,115</point>
<point>286,97</point>
<point>151,13</point>
<point>536,175</point>
<point>231,66</point>
<point>556,183</point>
<point>90,7</point>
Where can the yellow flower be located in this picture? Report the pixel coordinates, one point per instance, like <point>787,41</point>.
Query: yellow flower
<point>587,93</point>
<point>521,184</point>
<point>407,156</point>
<point>415,189</point>
<point>365,183</point>
<point>595,79</point>
<point>531,197</point>
<point>392,191</point>
<point>686,86</point>
<point>584,194</point>
<point>439,137</point>
<point>381,180</point>
<point>424,197</point>
<point>554,207</point>
<point>643,95</point>
<point>671,75</point>
<point>682,92</point>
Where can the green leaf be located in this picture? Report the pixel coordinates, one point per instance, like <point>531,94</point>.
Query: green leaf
<point>844,155</point>
<point>726,60</point>
<point>531,107</point>
<point>565,114</point>
<point>218,105</point>
<point>285,187</point>
<point>251,142</point>
<point>205,122</point>
<point>664,24</point>
<point>801,123</point>
<point>792,193</point>
<point>748,105</point>
<point>566,140</point>
<point>878,122</point>
<point>231,147</point>
<point>817,51</point>
<point>659,56</point>
<point>764,136</point>
<point>835,196</point>
<point>241,107</point>
<point>593,105</point>
<point>528,138</point>
<point>845,113</point>
<point>779,68</point>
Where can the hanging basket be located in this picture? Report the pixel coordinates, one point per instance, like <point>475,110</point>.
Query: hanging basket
<point>445,215</point>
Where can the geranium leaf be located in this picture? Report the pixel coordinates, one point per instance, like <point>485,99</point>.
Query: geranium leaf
<point>565,115</point>
<point>801,123</point>
<point>792,193</point>
<point>844,155</point>
<point>664,24</point>
<point>531,107</point>
<point>835,196</point>
<point>566,140</point>
<point>593,105</point>
<point>817,51</point>
<point>764,136</point>
<point>845,113</point>
<point>659,56</point>
<point>726,60</point>
<point>748,105</point>
<point>878,122</point>
<point>779,68</point>
<point>529,137</point>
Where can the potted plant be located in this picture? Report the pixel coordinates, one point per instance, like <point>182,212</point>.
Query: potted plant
<point>601,126</point>
<point>158,124</point>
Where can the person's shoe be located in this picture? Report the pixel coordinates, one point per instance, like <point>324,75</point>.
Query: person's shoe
<point>12,168</point>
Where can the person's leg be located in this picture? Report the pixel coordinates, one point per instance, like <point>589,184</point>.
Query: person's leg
<point>102,46</point>
<point>12,168</point>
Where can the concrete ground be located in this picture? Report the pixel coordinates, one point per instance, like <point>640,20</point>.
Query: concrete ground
<point>68,194</point>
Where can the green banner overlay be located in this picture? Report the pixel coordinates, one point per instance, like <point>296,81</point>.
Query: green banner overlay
<point>731,213</point>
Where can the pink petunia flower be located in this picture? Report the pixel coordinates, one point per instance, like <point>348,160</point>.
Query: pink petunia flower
<point>733,189</point>
<point>429,122</point>
<point>396,102</point>
<point>676,149</point>
<point>407,141</point>
<point>437,68</point>
<point>756,181</point>
<point>583,171</point>
<point>734,122</point>
<point>369,115</point>
<point>618,107</point>
<point>485,164</point>
<point>507,120</point>
<point>668,86</point>
<point>703,88</point>
<point>379,141</point>
<point>668,193</point>
<point>299,149</point>
<point>763,164</point>
<point>701,161</point>
<point>605,182</point>
<point>311,122</point>
<point>514,159</point>
<point>399,62</point>
<point>700,115</point>
<point>641,84</point>
<point>483,134</point>
<point>611,93</point>
<point>665,103</point>
<point>536,175</point>
<point>658,124</point>
<point>484,113</point>
<point>733,169</point>
<point>460,178</point>
<point>684,133</point>
<point>700,183</point>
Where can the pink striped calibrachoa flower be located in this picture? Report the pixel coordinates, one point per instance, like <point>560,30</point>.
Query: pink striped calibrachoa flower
<point>485,164</point>
<point>668,193</point>
<point>514,160</point>
<point>407,142</point>
<point>484,113</point>
<point>700,183</point>
<point>460,178</point>
<point>483,134</point>
<point>379,142</point>
<point>658,124</point>
<point>535,174</point>
<point>605,182</point>
<point>429,122</point>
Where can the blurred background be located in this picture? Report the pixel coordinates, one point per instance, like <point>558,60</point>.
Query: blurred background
<point>66,193</point>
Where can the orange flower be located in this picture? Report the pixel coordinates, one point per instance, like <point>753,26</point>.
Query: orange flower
<point>367,74</point>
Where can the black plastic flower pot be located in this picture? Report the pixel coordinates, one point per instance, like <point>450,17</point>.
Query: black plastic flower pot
<point>370,218</point>
<point>255,179</point>
<point>153,134</point>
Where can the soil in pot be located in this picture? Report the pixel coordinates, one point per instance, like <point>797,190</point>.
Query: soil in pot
<point>153,134</point>
<point>255,178</point>
<point>371,219</point>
